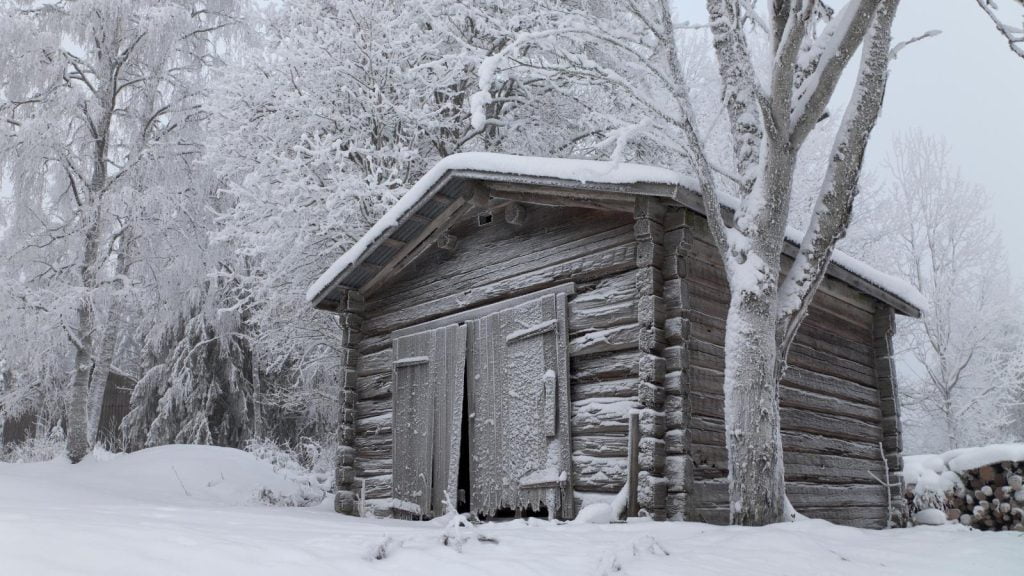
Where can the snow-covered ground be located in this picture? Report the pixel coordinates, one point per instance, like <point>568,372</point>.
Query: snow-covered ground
<point>192,510</point>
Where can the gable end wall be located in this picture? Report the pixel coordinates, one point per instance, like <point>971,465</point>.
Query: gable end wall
<point>597,251</point>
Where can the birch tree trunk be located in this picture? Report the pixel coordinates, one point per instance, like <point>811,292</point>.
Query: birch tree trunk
<point>105,354</point>
<point>78,444</point>
<point>78,440</point>
<point>752,439</point>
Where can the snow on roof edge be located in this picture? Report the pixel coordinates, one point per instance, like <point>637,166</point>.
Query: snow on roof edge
<point>567,169</point>
<point>583,171</point>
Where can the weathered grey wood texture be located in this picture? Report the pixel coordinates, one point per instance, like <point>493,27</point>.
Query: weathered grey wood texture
<point>429,384</point>
<point>543,246</point>
<point>832,397</point>
<point>645,332</point>
<point>519,409</point>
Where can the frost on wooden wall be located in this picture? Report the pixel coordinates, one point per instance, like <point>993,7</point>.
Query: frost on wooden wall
<point>519,414</point>
<point>429,383</point>
<point>519,408</point>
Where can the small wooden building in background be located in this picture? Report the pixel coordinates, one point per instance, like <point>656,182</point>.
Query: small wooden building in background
<point>514,324</point>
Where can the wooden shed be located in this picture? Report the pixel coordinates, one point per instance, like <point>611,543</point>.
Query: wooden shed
<point>530,333</point>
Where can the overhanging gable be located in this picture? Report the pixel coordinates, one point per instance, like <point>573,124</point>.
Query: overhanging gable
<point>460,183</point>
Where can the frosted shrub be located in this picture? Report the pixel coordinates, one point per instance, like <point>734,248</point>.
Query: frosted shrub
<point>41,449</point>
<point>309,464</point>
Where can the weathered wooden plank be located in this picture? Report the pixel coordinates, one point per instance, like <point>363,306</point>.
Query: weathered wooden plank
<point>374,386</point>
<point>372,466</point>
<point>601,416</point>
<point>625,388</point>
<point>702,250</point>
<point>375,407</point>
<point>417,245</point>
<point>591,318</point>
<point>608,340</point>
<point>481,311</point>
<point>709,325</point>
<point>552,236</point>
<point>709,383</point>
<point>374,425</point>
<point>375,363</point>
<point>708,355</point>
<point>802,467</point>
<point>792,441</point>
<point>621,364</point>
<point>600,446</point>
<point>595,265</point>
<point>593,474</point>
<point>803,495</point>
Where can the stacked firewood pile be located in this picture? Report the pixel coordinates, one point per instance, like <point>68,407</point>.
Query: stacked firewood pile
<point>992,497</point>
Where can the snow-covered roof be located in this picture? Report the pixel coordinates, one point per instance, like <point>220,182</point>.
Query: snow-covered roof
<point>589,172</point>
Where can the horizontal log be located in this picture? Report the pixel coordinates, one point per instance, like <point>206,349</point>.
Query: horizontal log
<point>374,386</point>
<point>366,466</point>
<point>374,425</point>
<point>802,467</point>
<point>708,320</point>
<point>551,236</point>
<point>595,265</point>
<point>608,445</point>
<point>590,319</point>
<point>623,364</point>
<point>376,486</point>
<point>601,416</point>
<point>794,442</point>
<point>710,382</point>
<point>376,363</point>
<point>702,249</point>
<point>375,407</point>
<point>804,379</point>
<point>801,494</point>
<point>608,340</point>
<point>709,355</point>
<point>625,388</point>
<point>592,474</point>
<point>797,420</point>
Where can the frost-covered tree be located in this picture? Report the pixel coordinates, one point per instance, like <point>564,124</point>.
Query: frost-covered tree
<point>319,127</point>
<point>933,227</point>
<point>769,108</point>
<point>98,100</point>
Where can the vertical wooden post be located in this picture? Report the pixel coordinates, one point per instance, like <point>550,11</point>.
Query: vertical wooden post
<point>350,318</point>
<point>678,462</point>
<point>649,214</point>
<point>633,503</point>
<point>888,395</point>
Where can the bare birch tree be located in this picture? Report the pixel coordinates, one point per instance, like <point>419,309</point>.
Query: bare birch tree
<point>771,107</point>
<point>95,97</point>
<point>939,234</point>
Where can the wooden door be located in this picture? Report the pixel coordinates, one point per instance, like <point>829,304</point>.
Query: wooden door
<point>429,387</point>
<point>518,389</point>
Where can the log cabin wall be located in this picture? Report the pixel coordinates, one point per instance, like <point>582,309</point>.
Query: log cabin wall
<point>831,398</point>
<point>518,252</point>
